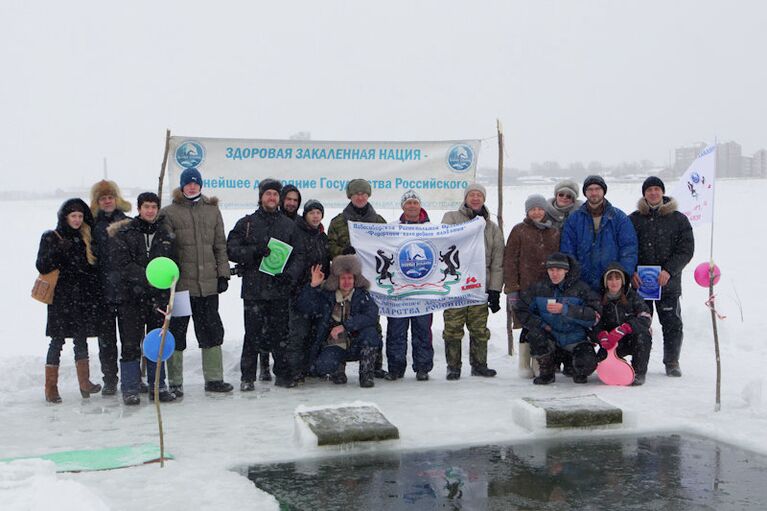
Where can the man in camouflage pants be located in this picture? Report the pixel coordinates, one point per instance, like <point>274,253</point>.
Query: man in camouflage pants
<point>475,316</point>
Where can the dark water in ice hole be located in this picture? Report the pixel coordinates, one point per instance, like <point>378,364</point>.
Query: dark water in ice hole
<point>668,472</point>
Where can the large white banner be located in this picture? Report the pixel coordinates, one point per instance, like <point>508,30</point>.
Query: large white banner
<point>415,269</point>
<point>232,168</point>
<point>695,190</point>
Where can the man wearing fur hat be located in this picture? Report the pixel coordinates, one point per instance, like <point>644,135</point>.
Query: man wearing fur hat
<point>475,316</point>
<point>564,202</point>
<point>107,206</point>
<point>665,240</point>
<point>196,222</point>
<point>347,320</point>
<point>266,297</point>
<point>598,233</point>
<point>420,326</point>
<point>358,210</point>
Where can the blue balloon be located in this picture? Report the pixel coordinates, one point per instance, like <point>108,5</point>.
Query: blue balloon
<point>152,345</point>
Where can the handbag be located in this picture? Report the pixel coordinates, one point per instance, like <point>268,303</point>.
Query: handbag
<point>45,284</point>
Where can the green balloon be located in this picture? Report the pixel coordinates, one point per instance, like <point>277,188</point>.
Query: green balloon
<point>161,272</point>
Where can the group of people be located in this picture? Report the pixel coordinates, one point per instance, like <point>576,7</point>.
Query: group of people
<point>568,271</point>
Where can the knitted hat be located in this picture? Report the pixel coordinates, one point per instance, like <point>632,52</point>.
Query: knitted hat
<point>653,181</point>
<point>594,180</point>
<point>410,194</point>
<point>558,260</point>
<point>346,264</point>
<point>535,201</point>
<point>268,184</point>
<point>356,186</point>
<point>313,204</point>
<point>567,186</point>
<point>614,270</point>
<point>475,187</point>
<point>103,188</point>
<point>190,175</point>
<point>147,197</point>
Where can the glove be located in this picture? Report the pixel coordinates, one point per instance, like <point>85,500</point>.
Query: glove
<point>350,250</point>
<point>261,251</point>
<point>512,299</point>
<point>605,341</point>
<point>283,279</point>
<point>494,300</point>
<point>617,333</point>
<point>223,285</point>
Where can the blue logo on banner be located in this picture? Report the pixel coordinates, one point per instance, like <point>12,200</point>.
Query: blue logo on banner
<point>460,157</point>
<point>190,154</point>
<point>416,259</point>
<point>695,177</point>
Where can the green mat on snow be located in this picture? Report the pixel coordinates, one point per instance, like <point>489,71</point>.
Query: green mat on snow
<point>100,459</point>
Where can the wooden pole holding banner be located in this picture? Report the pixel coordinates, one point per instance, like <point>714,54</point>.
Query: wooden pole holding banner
<point>164,163</point>
<point>158,370</point>
<point>499,128</point>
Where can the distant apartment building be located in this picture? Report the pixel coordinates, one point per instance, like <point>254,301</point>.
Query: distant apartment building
<point>730,161</point>
<point>684,156</point>
<point>759,163</point>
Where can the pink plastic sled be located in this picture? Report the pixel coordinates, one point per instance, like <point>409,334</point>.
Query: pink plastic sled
<point>614,370</point>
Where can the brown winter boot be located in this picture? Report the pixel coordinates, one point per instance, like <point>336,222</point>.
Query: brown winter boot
<point>52,384</point>
<point>87,387</point>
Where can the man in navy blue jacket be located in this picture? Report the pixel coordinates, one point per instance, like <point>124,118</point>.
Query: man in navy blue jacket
<point>597,234</point>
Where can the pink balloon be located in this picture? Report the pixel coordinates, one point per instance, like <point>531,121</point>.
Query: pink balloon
<point>702,274</point>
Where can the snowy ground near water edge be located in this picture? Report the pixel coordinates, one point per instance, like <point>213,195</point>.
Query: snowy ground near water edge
<point>210,436</point>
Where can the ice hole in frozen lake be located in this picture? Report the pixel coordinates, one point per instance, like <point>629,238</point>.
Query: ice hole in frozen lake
<point>666,471</point>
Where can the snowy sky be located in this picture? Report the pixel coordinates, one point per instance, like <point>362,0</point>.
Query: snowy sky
<point>571,80</point>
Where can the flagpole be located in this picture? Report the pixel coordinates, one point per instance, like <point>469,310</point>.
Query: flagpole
<point>718,405</point>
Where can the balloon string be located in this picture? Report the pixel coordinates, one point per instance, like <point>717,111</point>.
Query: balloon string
<point>710,304</point>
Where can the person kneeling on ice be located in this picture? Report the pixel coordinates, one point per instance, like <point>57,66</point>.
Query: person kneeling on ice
<point>558,313</point>
<point>346,318</point>
<point>625,322</point>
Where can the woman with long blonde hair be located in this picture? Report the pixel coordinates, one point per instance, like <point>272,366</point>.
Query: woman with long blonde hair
<point>69,249</point>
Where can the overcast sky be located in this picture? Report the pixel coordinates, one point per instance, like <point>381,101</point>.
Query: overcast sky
<point>571,80</point>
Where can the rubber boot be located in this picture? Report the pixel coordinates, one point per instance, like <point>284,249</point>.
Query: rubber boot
<point>265,374</point>
<point>175,366</point>
<point>339,377</point>
<point>87,387</point>
<point>52,384</point>
<point>546,364</point>
<point>478,357</point>
<point>213,370</point>
<point>525,370</point>
<point>130,382</point>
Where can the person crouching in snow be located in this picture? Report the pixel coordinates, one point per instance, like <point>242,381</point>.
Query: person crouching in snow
<point>558,313</point>
<point>346,318</point>
<point>625,322</point>
<point>73,313</point>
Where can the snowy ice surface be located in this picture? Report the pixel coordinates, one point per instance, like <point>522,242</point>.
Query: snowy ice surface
<point>209,436</point>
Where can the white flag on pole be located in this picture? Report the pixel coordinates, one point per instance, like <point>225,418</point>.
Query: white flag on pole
<point>695,190</point>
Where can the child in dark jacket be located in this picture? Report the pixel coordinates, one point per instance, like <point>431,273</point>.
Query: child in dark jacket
<point>625,322</point>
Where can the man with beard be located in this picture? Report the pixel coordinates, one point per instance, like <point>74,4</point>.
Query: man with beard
<point>597,234</point>
<point>266,297</point>
<point>290,201</point>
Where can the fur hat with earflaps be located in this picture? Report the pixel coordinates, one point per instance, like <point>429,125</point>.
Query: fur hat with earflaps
<point>105,187</point>
<point>346,264</point>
